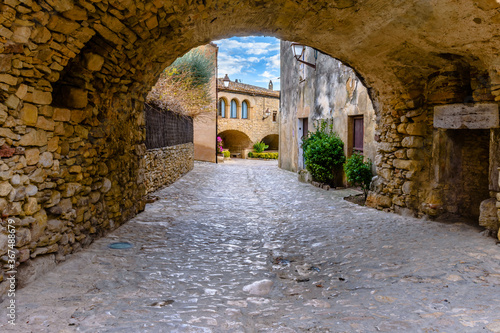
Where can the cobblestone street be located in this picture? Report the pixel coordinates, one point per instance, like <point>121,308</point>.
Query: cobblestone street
<point>244,247</point>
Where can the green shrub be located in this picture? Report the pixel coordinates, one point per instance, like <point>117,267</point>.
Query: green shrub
<point>323,152</point>
<point>226,153</point>
<point>259,147</point>
<point>267,156</point>
<point>359,172</point>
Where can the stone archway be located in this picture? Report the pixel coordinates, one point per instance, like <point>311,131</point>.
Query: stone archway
<point>236,141</point>
<point>272,140</point>
<point>73,77</point>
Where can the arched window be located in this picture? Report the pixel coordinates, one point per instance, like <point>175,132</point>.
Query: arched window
<point>244,110</point>
<point>222,108</point>
<point>234,112</point>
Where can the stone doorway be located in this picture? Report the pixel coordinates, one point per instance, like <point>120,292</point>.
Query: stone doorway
<point>463,169</point>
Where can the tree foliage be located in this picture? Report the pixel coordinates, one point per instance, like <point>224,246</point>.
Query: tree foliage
<point>359,172</point>
<point>323,152</point>
<point>184,86</point>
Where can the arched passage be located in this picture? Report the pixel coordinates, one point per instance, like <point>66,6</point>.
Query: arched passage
<point>73,77</point>
<point>272,140</point>
<point>235,141</point>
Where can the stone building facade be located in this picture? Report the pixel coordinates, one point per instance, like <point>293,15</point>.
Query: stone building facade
<point>330,91</point>
<point>247,114</point>
<point>74,75</point>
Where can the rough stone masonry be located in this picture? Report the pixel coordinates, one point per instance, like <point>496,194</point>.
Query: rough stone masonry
<point>74,73</point>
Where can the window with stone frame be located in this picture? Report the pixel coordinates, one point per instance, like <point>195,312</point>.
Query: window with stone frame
<point>244,110</point>
<point>234,109</point>
<point>222,108</point>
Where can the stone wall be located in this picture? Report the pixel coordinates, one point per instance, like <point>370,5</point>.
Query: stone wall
<point>205,124</point>
<point>163,166</point>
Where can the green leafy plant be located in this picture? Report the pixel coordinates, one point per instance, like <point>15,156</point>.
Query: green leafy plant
<point>359,172</point>
<point>226,153</point>
<point>267,156</point>
<point>323,152</point>
<point>259,147</point>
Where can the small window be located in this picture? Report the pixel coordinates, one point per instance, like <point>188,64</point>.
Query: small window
<point>222,108</point>
<point>358,132</point>
<point>244,110</point>
<point>275,116</point>
<point>234,112</point>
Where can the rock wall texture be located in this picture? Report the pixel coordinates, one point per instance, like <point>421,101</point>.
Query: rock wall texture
<point>165,165</point>
<point>74,74</point>
<point>330,91</point>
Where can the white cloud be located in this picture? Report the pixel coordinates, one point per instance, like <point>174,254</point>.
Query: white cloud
<point>253,60</point>
<point>273,62</point>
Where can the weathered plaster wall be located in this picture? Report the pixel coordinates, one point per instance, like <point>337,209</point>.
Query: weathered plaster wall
<point>205,125</point>
<point>331,91</point>
<point>163,166</point>
<point>73,76</point>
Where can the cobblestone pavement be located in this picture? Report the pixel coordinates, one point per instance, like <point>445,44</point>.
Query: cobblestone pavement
<point>245,247</point>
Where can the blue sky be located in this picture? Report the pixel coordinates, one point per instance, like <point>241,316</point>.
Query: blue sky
<point>253,60</point>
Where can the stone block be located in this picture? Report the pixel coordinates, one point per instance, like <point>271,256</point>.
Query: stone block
<point>62,25</point>
<point>76,14</point>
<point>93,62</point>
<point>418,129</point>
<point>462,116</point>
<point>34,138</point>
<point>383,201</point>
<point>31,206</point>
<point>21,34</point>
<point>5,188</point>
<point>5,62</point>
<point>45,124</point>
<point>22,91</point>
<point>42,97</point>
<point>29,114</point>
<point>410,165</point>
<point>3,244</point>
<point>32,156</point>
<point>23,237</point>
<point>62,114</point>
<point>385,173</point>
<point>9,79</point>
<point>40,35</point>
<point>412,142</point>
<point>488,217</point>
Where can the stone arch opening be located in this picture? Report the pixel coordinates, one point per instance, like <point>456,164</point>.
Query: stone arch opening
<point>272,140</point>
<point>236,141</point>
<point>74,78</point>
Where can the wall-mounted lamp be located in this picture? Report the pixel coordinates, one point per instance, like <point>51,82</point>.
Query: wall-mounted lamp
<point>266,114</point>
<point>298,52</point>
<point>226,81</point>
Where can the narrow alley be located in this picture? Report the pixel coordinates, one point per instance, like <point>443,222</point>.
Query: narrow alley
<point>244,247</point>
